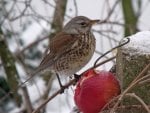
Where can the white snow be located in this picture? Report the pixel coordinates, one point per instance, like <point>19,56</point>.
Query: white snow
<point>139,44</point>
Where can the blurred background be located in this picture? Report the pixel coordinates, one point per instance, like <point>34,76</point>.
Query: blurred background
<point>26,27</point>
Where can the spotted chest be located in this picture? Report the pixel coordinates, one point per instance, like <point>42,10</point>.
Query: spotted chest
<point>77,56</point>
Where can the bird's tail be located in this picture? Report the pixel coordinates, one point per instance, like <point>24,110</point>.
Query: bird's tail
<point>39,69</point>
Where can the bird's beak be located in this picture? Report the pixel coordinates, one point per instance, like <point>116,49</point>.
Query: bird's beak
<point>92,22</point>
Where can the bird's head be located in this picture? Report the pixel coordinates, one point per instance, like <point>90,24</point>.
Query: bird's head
<point>79,24</point>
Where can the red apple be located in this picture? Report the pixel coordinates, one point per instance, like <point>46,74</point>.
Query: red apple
<point>94,90</point>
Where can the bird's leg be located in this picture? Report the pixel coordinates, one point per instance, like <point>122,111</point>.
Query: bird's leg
<point>61,86</point>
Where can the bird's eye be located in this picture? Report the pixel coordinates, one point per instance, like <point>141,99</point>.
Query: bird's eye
<point>83,23</point>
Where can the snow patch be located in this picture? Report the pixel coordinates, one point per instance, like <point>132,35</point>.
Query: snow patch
<point>139,44</point>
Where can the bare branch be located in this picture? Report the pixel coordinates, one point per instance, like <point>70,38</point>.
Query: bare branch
<point>140,100</point>
<point>120,45</point>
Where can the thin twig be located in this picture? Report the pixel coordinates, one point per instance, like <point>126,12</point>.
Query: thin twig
<point>112,10</point>
<point>145,81</point>
<point>103,62</point>
<point>111,22</point>
<point>142,79</point>
<point>27,100</point>
<point>120,45</point>
<point>133,83</point>
<point>76,7</point>
<point>27,3</point>
<point>142,72</point>
<point>54,95</point>
<point>131,106</point>
<point>140,100</point>
<point>32,44</point>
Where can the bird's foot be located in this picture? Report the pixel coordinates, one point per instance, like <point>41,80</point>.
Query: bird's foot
<point>62,89</point>
<point>77,77</point>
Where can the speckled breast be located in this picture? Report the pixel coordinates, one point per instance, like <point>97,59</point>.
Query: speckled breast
<point>77,56</point>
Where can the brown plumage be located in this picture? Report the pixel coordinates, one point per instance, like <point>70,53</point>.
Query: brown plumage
<point>71,49</point>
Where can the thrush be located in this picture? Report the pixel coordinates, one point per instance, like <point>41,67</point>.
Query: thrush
<point>71,49</point>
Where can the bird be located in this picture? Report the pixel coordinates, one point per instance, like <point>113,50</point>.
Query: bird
<point>70,49</point>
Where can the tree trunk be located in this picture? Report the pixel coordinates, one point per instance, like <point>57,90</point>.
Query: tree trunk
<point>130,18</point>
<point>10,68</point>
<point>56,26</point>
<point>58,17</point>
